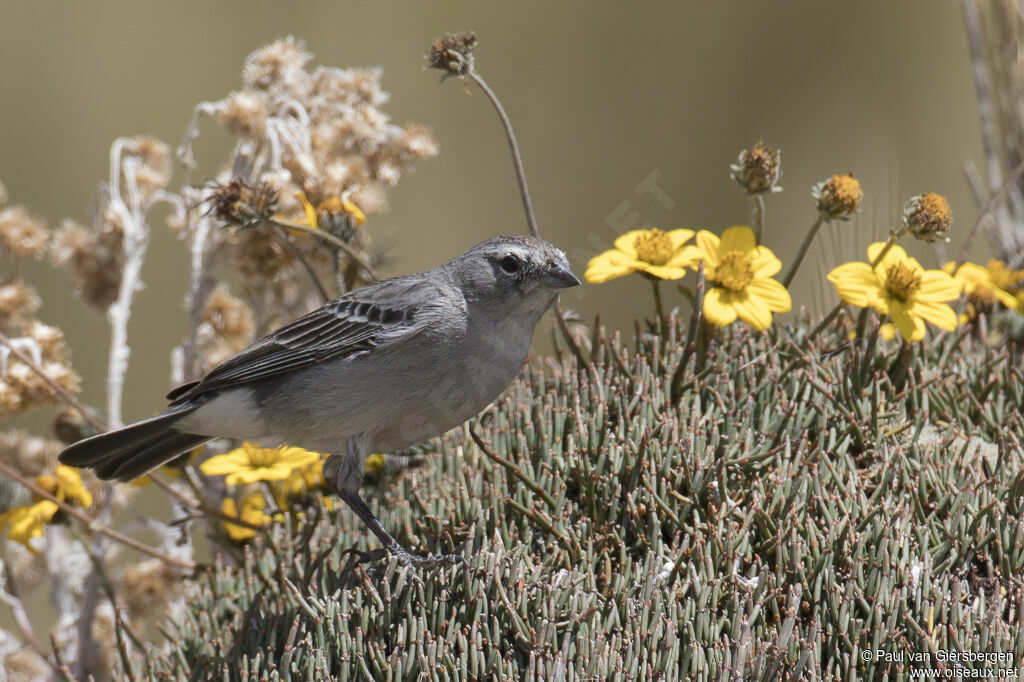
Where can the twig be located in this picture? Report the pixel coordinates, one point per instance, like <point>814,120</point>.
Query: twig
<point>329,239</point>
<point>989,205</point>
<point>324,296</point>
<point>57,388</point>
<point>759,222</point>
<point>135,240</point>
<point>91,523</point>
<point>696,316</point>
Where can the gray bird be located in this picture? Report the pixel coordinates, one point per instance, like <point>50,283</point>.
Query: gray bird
<point>383,367</point>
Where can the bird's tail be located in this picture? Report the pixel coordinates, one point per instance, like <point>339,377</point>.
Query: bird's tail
<point>136,449</point>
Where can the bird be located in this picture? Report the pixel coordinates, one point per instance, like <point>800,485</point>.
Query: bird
<point>383,367</point>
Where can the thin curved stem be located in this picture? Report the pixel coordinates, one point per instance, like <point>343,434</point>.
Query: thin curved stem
<point>513,144</point>
<point>799,258</point>
<point>63,393</point>
<point>759,223</point>
<point>359,258</point>
<point>324,296</point>
<point>658,307</point>
<point>91,523</point>
<point>989,205</point>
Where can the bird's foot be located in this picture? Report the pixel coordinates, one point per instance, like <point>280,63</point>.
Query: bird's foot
<point>365,557</point>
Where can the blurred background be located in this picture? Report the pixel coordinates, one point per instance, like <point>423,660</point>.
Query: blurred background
<point>604,95</point>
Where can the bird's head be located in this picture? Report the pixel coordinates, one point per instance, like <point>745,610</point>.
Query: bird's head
<point>513,271</point>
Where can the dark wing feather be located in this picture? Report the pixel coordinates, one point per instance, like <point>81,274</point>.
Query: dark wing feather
<point>371,317</point>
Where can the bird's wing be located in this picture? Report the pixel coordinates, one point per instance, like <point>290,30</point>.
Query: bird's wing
<point>375,316</point>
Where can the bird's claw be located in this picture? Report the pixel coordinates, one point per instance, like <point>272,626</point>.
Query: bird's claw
<point>430,561</point>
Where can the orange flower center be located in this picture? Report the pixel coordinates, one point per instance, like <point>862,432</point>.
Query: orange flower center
<point>734,271</point>
<point>654,247</point>
<point>902,282</point>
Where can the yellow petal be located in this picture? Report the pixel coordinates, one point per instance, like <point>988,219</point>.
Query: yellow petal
<point>764,263</point>
<point>752,311</point>
<point>893,255</point>
<point>219,465</point>
<point>685,257</point>
<point>308,209</point>
<point>939,314</point>
<point>855,283</point>
<point>625,243</point>
<point>679,237</point>
<point>887,331</point>
<point>709,244</point>
<point>358,217</point>
<point>938,286</point>
<point>662,271</point>
<point>911,327</point>
<point>771,294</point>
<point>609,265</point>
<point>718,309</point>
<point>738,238</point>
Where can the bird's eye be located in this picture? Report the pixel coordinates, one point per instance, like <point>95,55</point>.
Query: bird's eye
<point>510,264</point>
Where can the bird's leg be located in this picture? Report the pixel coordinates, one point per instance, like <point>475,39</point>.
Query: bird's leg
<point>344,474</point>
<point>391,545</point>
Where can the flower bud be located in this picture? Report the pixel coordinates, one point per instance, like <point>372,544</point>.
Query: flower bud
<point>927,217</point>
<point>757,170</point>
<point>839,197</point>
<point>453,53</point>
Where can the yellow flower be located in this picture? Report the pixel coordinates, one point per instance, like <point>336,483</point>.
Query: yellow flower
<point>251,463</point>
<point>900,288</point>
<point>25,523</point>
<point>65,483</point>
<point>303,480</point>
<point>329,210</point>
<point>988,284</point>
<point>741,272</point>
<point>653,252</point>
<point>252,512</point>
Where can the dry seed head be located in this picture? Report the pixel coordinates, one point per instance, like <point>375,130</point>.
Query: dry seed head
<point>242,203</point>
<point>227,326</point>
<point>3,194</point>
<point>21,234</point>
<point>148,584</point>
<point>758,170</point>
<point>244,113</point>
<point>93,259</point>
<point>276,64</point>
<point>70,426</point>
<point>18,303</point>
<point>154,164</point>
<point>30,455</point>
<point>839,197</point>
<point>927,217</point>
<point>453,52</point>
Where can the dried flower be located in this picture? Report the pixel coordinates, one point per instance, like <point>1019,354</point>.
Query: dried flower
<point>275,65</point>
<point>151,159</point>
<point>227,326</point>
<point>22,235</point>
<point>242,203</point>
<point>758,170</point>
<point>839,197</point>
<point>31,455</point>
<point>453,53</point>
<point>93,258</point>
<point>927,217</point>
<point>18,303</point>
<point>148,584</point>
<point>243,113</point>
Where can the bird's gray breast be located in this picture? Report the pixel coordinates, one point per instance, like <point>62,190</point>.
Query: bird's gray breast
<point>401,395</point>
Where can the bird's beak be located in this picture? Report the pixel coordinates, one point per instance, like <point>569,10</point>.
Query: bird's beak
<point>559,276</point>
